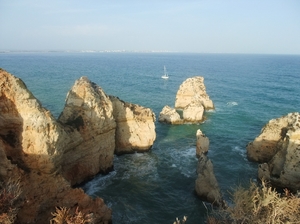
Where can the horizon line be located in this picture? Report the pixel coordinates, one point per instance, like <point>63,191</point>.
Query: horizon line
<point>134,51</point>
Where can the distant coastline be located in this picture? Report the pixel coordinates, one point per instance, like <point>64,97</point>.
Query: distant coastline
<point>135,51</point>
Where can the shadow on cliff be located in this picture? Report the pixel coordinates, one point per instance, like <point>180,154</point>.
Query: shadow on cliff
<point>11,129</point>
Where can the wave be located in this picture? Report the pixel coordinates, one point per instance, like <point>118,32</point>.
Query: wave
<point>232,103</point>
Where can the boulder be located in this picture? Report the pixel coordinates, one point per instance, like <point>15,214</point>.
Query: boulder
<point>206,184</point>
<point>135,130</point>
<point>283,169</point>
<point>40,147</point>
<point>169,115</point>
<point>202,144</point>
<point>193,90</point>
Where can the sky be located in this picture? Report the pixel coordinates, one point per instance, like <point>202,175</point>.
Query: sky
<point>196,26</point>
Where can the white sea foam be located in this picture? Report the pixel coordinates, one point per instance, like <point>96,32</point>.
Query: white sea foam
<point>232,103</point>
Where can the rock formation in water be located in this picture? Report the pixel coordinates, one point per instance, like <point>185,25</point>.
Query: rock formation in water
<point>169,115</point>
<point>192,99</point>
<point>88,113</point>
<point>206,184</point>
<point>193,90</point>
<point>31,138</point>
<point>278,146</point>
<point>202,144</point>
<point>135,127</point>
<point>53,155</point>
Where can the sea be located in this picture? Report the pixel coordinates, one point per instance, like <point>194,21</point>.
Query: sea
<point>157,186</point>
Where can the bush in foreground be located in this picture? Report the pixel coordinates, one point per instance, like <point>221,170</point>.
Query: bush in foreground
<point>259,204</point>
<point>64,216</point>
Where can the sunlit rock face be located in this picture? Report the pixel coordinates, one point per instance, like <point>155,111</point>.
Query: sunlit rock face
<point>193,112</point>
<point>264,146</point>
<point>192,100</point>
<point>169,115</point>
<point>206,184</point>
<point>282,168</point>
<point>88,116</point>
<point>135,129</point>
<point>193,90</point>
<point>38,150</point>
<point>31,135</point>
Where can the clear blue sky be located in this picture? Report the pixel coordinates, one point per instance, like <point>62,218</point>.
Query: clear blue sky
<point>205,26</point>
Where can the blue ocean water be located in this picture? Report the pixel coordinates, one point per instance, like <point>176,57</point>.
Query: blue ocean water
<point>158,186</point>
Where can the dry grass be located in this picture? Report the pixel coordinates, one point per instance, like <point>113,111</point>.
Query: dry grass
<point>64,216</point>
<point>182,221</point>
<point>259,204</point>
<point>9,193</point>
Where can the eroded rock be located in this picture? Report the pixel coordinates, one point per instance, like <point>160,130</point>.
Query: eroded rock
<point>135,129</point>
<point>206,184</point>
<point>193,90</point>
<point>202,144</point>
<point>169,115</point>
<point>283,168</point>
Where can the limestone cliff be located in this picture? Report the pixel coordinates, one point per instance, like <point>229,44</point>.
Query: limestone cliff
<point>135,127</point>
<point>88,118</point>
<point>31,138</point>
<point>282,168</point>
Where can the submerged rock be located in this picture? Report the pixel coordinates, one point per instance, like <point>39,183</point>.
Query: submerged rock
<point>282,168</point>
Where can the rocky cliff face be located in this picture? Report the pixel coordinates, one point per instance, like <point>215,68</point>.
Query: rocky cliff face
<point>88,114</point>
<point>192,99</point>
<point>281,144</point>
<point>135,127</point>
<point>31,138</point>
<point>52,155</point>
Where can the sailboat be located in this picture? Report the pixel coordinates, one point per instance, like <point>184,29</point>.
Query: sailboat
<point>165,76</point>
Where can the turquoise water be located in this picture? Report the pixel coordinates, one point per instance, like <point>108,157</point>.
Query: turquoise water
<point>158,186</point>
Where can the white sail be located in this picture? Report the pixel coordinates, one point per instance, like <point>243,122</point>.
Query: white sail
<point>165,76</point>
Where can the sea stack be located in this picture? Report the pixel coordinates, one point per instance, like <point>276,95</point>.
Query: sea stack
<point>192,100</point>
